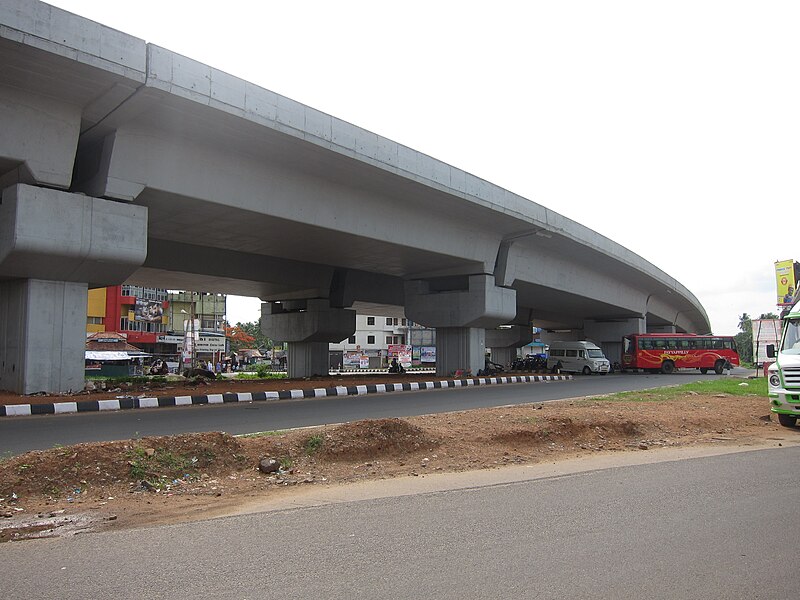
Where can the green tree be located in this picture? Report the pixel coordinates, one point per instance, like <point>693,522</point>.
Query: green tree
<point>744,322</point>
<point>769,315</point>
<point>744,339</point>
<point>248,335</point>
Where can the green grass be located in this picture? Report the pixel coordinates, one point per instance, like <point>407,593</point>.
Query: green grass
<point>722,385</point>
<point>160,467</point>
<point>258,434</point>
<point>261,375</point>
<point>314,444</point>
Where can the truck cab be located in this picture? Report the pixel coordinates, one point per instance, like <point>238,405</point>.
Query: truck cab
<point>784,374</point>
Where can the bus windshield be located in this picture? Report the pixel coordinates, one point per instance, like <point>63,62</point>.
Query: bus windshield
<point>595,354</point>
<point>791,340</point>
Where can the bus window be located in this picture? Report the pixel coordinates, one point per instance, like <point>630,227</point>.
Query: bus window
<point>672,343</point>
<point>727,344</point>
<point>717,344</point>
<point>659,344</point>
<point>572,353</point>
<point>683,344</point>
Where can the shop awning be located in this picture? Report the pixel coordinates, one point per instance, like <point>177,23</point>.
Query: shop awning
<point>112,355</point>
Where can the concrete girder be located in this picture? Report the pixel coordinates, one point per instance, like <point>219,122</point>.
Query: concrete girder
<point>40,136</point>
<point>460,309</point>
<point>308,327</point>
<point>58,236</point>
<point>271,202</point>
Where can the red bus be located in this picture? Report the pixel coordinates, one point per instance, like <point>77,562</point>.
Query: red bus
<point>666,352</point>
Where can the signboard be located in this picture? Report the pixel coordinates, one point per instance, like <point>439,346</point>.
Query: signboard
<point>192,327</point>
<point>784,276</point>
<point>211,343</point>
<point>402,352</point>
<point>355,360</point>
<point>427,354</point>
<point>150,311</point>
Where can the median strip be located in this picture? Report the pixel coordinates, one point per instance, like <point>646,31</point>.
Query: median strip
<point>127,402</point>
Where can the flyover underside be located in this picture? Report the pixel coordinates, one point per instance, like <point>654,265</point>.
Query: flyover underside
<point>230,187</point>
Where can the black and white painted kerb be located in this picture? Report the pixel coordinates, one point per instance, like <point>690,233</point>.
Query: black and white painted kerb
<point>125,403</point>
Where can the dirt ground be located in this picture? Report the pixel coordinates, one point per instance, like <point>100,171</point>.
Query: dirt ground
<point>187,477</point>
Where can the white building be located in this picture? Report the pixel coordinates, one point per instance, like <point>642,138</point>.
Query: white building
<point>372,340</point>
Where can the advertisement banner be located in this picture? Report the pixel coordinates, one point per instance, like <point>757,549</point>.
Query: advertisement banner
<point>402,352</point>
<point>427,354</point>
<point>352,360</point>
<point>150,311</point>
<point>784,275</point>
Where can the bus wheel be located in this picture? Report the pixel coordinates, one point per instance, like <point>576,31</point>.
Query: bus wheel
<point>587,371</point>
<point>719,366</point>
<point>787,420</point>
<point>703,370</point>
<point>667,367</point>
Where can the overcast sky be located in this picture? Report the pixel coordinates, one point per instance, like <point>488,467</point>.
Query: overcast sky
<point>673,127</point>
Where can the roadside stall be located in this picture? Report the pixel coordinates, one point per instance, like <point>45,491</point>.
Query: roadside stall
<point>108,354</point>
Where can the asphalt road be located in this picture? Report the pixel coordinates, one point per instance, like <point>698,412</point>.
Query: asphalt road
<point>718,527</point>
<point>20,434</point>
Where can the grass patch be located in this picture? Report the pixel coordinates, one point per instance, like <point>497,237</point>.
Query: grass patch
<point>314,444</point>
<point>259,434</point>
<point>160,468</point>
<point>727,385</point>
<point>261,375</point>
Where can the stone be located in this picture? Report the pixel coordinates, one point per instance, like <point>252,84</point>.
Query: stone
<point>269,465</point>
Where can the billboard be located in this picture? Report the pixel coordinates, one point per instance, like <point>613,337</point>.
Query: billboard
<point>151,311</point>
<point>355,360</point>
<point>787,284</point>
<point>427,354</point>
<point>402,352</point>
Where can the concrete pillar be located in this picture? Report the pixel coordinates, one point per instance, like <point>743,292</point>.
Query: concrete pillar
<point>461,309</point>
<point>503,356</point>
<point>308,326</point>
<point>504,342</point>
<point>42,336</point>
<point>53,246</point>
<point>307,359</point>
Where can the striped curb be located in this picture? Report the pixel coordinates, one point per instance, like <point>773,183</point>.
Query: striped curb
<point>126,403</point>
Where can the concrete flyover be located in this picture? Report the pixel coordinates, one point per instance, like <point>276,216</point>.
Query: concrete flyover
<point>123,161</point>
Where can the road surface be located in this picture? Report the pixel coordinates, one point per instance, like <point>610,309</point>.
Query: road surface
<point>20,434</point>
<point>717,527</point>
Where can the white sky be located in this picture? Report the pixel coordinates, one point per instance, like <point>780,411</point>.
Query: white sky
<point>671,127</point>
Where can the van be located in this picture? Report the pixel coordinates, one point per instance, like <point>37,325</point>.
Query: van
<point>577,357</point>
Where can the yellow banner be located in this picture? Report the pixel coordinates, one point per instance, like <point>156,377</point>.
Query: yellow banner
<point>784,275</point>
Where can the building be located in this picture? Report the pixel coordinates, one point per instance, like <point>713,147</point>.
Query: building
<point>138,313</point>
<point>378,339</point>
<point>155,320</point>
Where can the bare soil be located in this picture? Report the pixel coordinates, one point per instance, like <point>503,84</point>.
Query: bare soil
<point>187,477</point>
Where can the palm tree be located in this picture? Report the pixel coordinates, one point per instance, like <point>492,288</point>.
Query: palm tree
<point>744,322</point>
